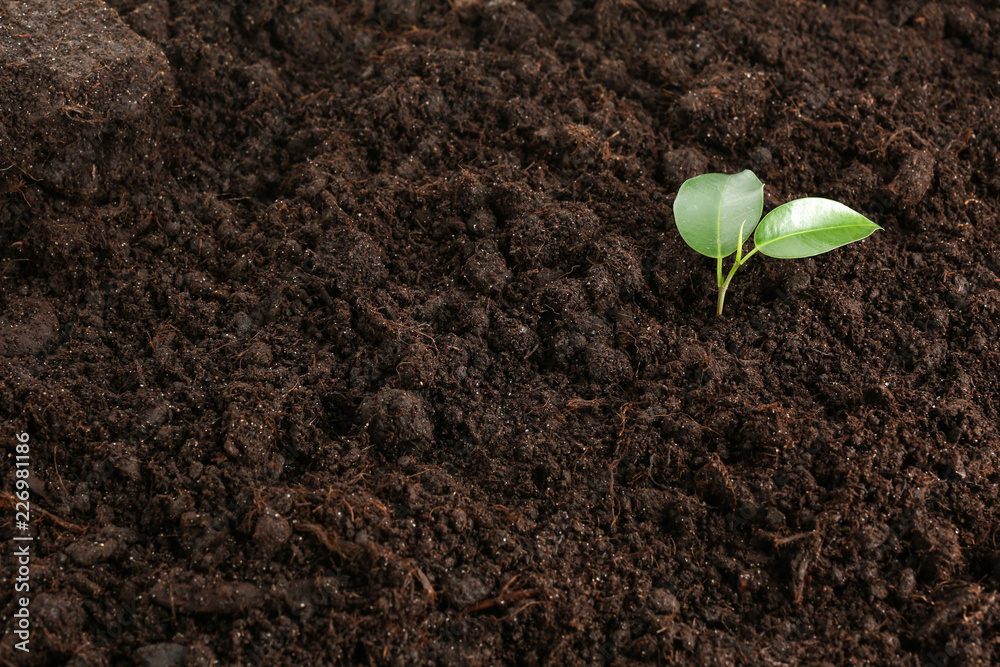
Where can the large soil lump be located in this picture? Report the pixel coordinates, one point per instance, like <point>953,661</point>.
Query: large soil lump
<point>83,97</point>
<point>396,420</point>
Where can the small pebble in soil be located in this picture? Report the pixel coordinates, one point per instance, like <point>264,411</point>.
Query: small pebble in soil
<point>160,655</point>
<point>464,591</point>
<point>907,583</point>
<point>914,179</point>
<point>271,533</point>
<point>663,602</point>
<point>459,520</point>
<point>89,551</point>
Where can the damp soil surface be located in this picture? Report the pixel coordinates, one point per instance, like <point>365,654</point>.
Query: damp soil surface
<point>360,333</point>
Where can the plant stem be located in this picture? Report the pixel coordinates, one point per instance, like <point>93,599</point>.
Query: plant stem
<point>724,284</point>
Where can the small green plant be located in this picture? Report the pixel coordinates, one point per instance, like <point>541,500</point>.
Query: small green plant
<point>716,213</point>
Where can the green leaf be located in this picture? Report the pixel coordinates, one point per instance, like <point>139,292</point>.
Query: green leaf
<point>810,226</point>
<point>711,209</point>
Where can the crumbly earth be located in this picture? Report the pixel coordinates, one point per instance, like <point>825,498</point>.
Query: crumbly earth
<point>360,333</point>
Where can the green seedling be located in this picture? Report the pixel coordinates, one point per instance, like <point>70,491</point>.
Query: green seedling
<point>716,213</point>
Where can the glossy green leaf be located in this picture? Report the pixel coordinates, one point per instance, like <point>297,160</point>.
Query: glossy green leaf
<point>710,210</point>
<point>810,226</point>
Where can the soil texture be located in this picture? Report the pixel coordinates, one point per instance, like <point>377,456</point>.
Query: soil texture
<point>359,332</point>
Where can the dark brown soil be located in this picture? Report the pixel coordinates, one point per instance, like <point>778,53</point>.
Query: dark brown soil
<point>360,333</point>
